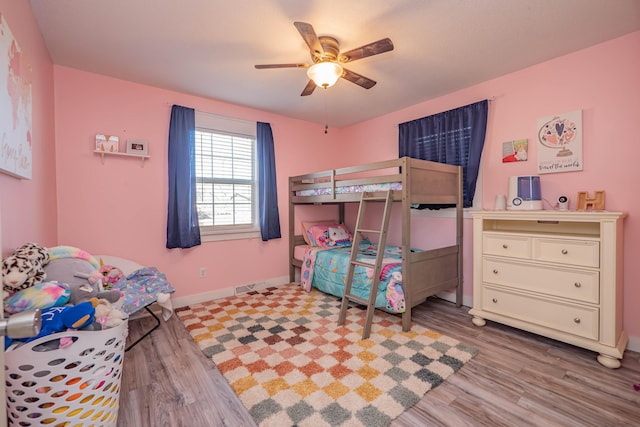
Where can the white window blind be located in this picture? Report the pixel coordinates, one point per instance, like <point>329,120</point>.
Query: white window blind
<point>225,175</point>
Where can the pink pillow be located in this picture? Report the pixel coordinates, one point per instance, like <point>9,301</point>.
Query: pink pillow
<point>306,225</point>
<point>329,235</point>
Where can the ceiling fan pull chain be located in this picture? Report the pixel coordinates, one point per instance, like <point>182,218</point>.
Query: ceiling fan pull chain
<point>326,118</point>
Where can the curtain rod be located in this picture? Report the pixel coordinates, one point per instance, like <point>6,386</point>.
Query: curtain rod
<point>491,98</point>
<point>221,116</point>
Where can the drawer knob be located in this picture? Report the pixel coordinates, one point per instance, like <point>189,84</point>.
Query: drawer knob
<point>495,271</point>
<point>576,320</point>
<point>495,300</point>
<point>505,246</point>
<point>564,252</point>
<point>577,285</point>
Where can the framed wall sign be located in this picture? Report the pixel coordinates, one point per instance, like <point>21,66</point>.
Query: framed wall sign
<point>560,143</point>
<point>15,104</point>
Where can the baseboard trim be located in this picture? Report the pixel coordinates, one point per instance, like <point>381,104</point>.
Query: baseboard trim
<point>228,292</point>
<point>467,300</point>
<point>633,344</point>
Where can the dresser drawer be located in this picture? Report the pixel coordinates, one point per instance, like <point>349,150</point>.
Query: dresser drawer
<point>570,318</point>
<point>576,284</point>
<point>572,252</point>
<point>506,245</point>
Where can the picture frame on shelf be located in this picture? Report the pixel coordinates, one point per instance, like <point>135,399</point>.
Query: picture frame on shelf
<point>139,147</point>
<point>107,143</point>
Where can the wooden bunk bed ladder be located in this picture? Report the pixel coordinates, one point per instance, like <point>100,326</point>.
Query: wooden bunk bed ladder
<point>382,241</point>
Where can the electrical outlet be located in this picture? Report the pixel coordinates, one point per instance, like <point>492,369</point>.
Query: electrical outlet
<point>203,272</point>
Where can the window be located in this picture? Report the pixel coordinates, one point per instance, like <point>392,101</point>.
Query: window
<point>455,137</point>
<point>226,183</point>
<point>460,137</point>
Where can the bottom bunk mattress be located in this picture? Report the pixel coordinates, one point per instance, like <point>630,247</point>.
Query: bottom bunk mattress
<point>326,269</point>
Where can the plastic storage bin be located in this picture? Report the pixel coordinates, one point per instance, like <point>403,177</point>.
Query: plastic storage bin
<point>74,386</point>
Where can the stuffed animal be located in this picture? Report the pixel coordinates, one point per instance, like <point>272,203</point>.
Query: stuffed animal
<point>337,236</point>
<point>106,315</point>
<point>82,278</point>
<point>34,252</point>
<point>23,268</point>
<point>59,319</point>
<point>40,296</point>
<point>86,291</point>
<point>110,275</point>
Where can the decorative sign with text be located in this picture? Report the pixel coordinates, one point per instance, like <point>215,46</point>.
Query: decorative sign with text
<point>560,143</point>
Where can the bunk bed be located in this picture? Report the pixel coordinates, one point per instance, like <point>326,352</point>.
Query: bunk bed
<point>411,181</point>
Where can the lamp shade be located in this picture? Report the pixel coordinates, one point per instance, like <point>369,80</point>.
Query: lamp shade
<point>324,74</point>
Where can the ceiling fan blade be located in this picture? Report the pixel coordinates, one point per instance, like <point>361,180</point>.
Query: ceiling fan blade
<point>308,89</point>
<point>358,79</point>
<point>309,35</point>
<point>375,48</point>
<point>262,66</point>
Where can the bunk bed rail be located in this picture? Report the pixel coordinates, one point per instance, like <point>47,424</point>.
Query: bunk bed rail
<point>430,182</point>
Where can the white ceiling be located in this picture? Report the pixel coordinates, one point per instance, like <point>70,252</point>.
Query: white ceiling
<point>209,47</point>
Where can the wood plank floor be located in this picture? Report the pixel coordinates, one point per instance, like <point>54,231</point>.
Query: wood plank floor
<point>518,379</point>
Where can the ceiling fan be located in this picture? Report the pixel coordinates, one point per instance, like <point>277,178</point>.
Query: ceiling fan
<point>327,59</point>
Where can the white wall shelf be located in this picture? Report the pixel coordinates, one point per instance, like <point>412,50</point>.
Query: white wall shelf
<point>142,157</point>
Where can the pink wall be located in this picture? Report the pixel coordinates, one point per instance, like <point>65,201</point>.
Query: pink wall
<point>87,103</point>
<point>28,207</point>
<point>119,207</point>
<point>604,82</point>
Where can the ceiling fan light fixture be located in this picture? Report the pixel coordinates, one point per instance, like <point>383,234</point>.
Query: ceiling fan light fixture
<point>325,74</point>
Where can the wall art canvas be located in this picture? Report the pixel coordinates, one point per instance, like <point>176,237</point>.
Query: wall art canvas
<point>560,143</point>
<point>515,151</point>
<point>15,104</point>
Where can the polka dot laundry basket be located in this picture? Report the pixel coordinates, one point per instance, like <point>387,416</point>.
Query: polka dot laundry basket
<point>78,385</point>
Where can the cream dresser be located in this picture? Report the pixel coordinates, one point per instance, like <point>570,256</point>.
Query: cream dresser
<point>557,274</point>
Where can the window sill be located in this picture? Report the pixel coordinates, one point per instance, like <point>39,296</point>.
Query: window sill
<point>235,235</point>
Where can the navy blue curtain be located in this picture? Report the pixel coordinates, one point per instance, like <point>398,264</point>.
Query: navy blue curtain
<point>183,230</point>
<point>267,188</point>
<point>455,137</point>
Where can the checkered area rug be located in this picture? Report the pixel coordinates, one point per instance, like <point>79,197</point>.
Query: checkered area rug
<point>283,354</point>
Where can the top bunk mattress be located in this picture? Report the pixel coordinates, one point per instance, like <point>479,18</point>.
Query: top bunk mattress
<point>348,189</point>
